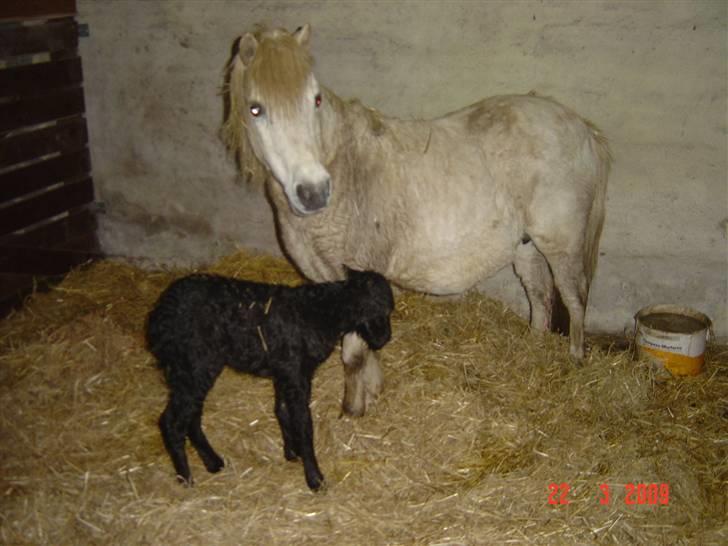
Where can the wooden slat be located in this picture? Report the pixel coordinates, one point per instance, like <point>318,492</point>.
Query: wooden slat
<point>29,9</point>
<point>57,35</point>
<point>37,261</point>
<point>40,175</point>
<point>45,205</point>
<point>76,231</point>
<point>13,290</point>
<point>41,109</point>
<point>43,254</point>
<point>65,137</point>
<point>38,79</point>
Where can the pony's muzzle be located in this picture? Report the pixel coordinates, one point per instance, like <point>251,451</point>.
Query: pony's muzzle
<point>314,196</point>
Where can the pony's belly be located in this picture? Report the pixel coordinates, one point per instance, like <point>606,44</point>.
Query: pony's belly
<point>444,275</point>
<point>453,254</point>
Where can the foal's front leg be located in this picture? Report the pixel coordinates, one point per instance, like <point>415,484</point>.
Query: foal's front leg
<point>296,395</point>
<point>362,375</point>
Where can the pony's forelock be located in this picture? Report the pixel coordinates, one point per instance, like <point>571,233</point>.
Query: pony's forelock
<point>279,72</point>
<point>277,76</point>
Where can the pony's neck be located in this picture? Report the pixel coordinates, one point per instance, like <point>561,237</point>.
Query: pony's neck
<point>348,130</point>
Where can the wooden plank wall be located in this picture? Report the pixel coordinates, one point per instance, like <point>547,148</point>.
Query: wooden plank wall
<point>47,222</point>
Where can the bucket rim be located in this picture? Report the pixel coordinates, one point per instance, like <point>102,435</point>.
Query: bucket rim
<point>673,309</point>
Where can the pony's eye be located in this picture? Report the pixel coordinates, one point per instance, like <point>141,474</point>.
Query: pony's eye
<point>256,110</point>
<point>317,100</point>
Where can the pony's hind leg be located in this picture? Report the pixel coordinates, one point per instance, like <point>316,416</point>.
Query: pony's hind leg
<point>571,280</point>
<point>362,375</point>
<point>533,270</point>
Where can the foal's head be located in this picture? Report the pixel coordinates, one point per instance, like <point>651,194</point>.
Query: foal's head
<point>275,96</point>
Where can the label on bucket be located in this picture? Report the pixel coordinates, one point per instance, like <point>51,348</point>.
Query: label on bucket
<point>682,344</point>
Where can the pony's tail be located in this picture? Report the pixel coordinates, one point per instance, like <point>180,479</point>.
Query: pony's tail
<point>233,131</point>
<point>600,147</point>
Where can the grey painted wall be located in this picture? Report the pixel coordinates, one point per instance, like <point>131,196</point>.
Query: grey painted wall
<point>651,74</point>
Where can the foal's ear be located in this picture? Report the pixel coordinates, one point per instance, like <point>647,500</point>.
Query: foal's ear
<point>303,35</point>
<point>247,47</point>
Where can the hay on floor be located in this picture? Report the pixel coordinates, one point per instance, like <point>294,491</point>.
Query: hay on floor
<point>478,418</point>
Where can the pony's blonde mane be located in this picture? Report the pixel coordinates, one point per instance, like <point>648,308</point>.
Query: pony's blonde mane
<point>276,75</point>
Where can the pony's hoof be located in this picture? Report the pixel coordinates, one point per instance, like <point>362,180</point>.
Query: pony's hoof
<point>353,411</point>
<point>577,357</point>
<point>373,380</point>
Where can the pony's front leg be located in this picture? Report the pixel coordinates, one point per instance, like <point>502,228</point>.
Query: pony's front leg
<point>362,375</point>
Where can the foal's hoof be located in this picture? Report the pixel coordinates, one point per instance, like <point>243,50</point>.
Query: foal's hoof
<point>212,461</point>
<point>316,483</point>
<point>187,482</point>
<point>214,466</point>
<point>289,453</point>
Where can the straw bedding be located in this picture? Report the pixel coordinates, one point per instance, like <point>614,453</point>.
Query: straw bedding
<point>478,418</point>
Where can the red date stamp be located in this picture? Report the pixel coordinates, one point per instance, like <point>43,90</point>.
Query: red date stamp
<point>634,494</point>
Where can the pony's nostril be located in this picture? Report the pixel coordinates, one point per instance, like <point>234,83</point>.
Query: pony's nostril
<point>314,197</point>
<point>304,193</point>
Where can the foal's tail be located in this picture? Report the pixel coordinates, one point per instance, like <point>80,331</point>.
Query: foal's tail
<point>600,148</point>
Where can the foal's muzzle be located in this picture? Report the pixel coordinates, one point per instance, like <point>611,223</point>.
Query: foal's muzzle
<point>313,196</point>
<point>376,332</point>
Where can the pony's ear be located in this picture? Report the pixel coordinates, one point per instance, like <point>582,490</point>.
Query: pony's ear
<point>303,35</point>
<point>247,47</point>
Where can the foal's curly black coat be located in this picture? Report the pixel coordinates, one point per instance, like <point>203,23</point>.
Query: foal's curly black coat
<point>203,322</point>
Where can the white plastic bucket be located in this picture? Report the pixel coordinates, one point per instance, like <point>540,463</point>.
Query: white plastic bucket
<point>672,337</point>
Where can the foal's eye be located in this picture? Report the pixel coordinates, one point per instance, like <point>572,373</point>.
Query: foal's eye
<point>256,110</point>
<point>317,100</point>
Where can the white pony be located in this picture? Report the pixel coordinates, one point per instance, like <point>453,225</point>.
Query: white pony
<point>435,206</point>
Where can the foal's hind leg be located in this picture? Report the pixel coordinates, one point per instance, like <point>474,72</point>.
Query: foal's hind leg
<point>362,375</point>
<point>174,424</point>
<point>533,270</point>
<point>212,461</point>
<point>570,278</point>
<point>290,450</point>
<point>188,387</point>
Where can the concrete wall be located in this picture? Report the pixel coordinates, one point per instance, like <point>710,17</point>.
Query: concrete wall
<point>652,75</point>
